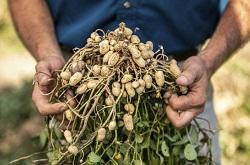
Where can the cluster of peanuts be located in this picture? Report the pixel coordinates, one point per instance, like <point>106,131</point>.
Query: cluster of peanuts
<point>125,67</point>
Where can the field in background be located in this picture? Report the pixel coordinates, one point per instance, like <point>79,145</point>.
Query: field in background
<point>232,104</point>
<point>20,124</point>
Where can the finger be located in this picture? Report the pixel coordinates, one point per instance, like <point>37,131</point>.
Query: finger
<point>43,76</point>
<point>42,104</point>
<point>70,99</point>
<point>190,73</point>
<point>185,102</point>
<point>166,96</point>
<point>179,120</point>
<point>64,124</point>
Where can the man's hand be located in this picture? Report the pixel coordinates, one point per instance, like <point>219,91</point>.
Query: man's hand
<point>44,70</point>
<point>182,109</point>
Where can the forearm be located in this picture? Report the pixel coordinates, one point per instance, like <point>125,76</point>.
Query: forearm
<point>232,31</point>
<point>35,27</point>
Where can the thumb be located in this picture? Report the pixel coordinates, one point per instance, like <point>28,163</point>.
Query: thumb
<point>187,77</point>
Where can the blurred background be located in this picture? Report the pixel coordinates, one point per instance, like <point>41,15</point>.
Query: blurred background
<point>20,124</point>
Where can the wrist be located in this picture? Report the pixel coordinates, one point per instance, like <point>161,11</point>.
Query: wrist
<point>207,63</point>
<point>42,55</point>
<point>42,49</point>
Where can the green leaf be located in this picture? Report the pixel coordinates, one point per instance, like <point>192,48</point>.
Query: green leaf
<point>167,121</point>
<point>138,162</point>
<point>182,141</point>
<point>164,149</point>
<point>136,119</point>
<point>145,143</point>
<point>110,152</point>
<point>53,156</point>
<point>54,162</point>
<point>58,132</point>
<point>139,124</point>
<point>50,156</point>
<point>172,139</point>
<point>93,157</point>
<point>123,148</point>
<point>146,123</point>
<point>43,137</point>
<point>189,152</point>
<point>52,123</point>
<point>176,150</point>
<point>193,134</point>
<point>138,138</point>
<point>161,159</point>
<point>108,136</point>
<point>154,160</point>
<point>153,145</point>
<point>127,159</point>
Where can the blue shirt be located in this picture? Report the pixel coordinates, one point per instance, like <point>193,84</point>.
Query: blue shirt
<point>177,25</point>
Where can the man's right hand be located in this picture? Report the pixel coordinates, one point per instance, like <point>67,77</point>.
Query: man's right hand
<point>44,71</point>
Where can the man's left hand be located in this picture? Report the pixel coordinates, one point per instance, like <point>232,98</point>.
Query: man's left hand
<point>182,109</point>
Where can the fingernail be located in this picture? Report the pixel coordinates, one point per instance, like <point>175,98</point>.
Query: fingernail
<point>182,80</point>
<point>167,95</point>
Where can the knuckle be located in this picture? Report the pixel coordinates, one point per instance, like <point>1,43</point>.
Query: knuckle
<point>196,59</point>
<point>43,82</point>
<point>191,61</point>
<point>198,100</point>
<point>39,66</point>
<point>174,104</point>
<point>190,74</point>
